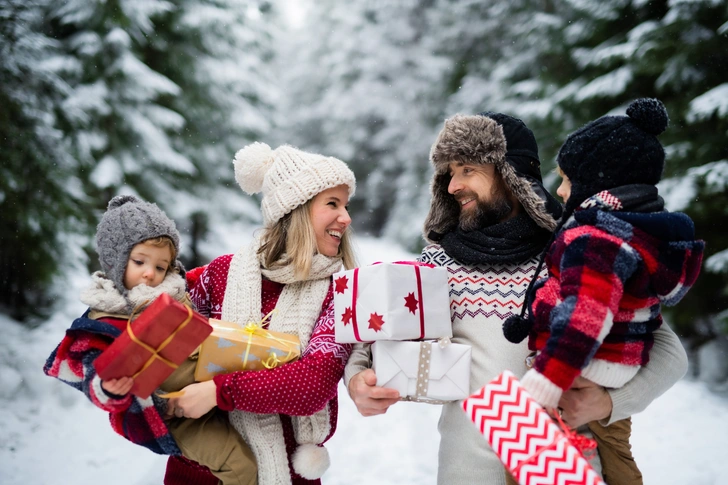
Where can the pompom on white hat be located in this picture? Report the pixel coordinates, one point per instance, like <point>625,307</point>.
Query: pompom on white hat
<point>288,177</point>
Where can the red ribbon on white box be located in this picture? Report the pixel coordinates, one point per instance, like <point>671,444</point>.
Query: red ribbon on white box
<point>420,304</point>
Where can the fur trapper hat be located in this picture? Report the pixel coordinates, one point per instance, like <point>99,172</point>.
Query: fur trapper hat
<point>615,150</point>
<point>127,222</point>
<point>495,138</point>
<point>288,177</point>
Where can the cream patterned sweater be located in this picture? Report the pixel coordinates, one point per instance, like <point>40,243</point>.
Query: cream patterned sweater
<point>481,298</point>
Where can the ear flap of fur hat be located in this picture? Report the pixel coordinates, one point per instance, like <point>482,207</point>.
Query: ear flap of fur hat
<point>444,210</point>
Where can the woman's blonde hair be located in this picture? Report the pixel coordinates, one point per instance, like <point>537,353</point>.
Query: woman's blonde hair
<point>293,235</point>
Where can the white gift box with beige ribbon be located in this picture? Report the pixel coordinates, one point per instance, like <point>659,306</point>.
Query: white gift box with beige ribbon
<point>405,300</point>
<point>428,371</point>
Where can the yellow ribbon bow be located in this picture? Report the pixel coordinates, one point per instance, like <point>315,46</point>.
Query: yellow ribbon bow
<point>256,328</point>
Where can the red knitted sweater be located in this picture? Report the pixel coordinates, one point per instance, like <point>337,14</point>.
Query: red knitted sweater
<point>299,388</point>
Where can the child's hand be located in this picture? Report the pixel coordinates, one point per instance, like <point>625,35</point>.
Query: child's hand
<point>119,387</point>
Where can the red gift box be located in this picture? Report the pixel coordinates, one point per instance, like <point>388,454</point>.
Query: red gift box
<point>531,445</point>
<point>153,345</point>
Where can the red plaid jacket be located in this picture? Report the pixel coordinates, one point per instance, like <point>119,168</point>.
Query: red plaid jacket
<point>138,420</point>
<point>609,273</point>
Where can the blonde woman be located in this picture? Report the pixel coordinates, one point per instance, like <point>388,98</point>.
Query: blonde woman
<point>287,413</point>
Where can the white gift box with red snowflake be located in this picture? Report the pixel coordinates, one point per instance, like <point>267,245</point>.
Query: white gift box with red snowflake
<point>530,444</point>
<point>392,301</point>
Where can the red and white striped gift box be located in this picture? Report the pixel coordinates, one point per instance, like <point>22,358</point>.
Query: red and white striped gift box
<point>527,440</point>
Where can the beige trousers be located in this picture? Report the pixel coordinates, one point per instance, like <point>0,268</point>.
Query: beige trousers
<point>211,440</point>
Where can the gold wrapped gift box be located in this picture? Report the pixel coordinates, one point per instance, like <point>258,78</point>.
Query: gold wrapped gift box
<point>231,347</point>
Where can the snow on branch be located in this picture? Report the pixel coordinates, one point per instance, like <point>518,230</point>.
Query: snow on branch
<point>703,107</point>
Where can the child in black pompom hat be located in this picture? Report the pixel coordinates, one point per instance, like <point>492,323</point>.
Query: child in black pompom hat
<point>616,257</point>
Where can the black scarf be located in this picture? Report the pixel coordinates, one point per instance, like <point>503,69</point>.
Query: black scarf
<point>639,198</point>
<point>513,241</point>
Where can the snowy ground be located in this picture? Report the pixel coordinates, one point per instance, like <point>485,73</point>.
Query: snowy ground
<point>49,435</point>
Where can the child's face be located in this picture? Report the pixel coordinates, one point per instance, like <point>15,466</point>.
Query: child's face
<point>147,265</point>
<point>564,190</point>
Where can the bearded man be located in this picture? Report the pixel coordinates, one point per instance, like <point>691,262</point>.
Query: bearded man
<point>490,217</point>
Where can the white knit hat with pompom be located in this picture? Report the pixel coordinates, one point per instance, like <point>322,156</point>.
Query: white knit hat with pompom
<point>287,176</point>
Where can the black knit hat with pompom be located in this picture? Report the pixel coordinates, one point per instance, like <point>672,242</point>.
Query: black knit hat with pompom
<point>614,151</point>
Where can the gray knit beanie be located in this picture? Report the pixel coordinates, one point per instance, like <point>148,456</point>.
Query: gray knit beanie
<point>127,222</point>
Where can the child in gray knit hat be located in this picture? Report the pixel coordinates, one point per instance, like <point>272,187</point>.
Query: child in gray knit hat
<point>138,246</point>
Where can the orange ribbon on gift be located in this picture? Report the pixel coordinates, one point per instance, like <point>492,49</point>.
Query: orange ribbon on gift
<point>149,348</point>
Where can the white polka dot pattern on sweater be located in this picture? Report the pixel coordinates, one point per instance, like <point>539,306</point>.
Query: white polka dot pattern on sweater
<point>299,388</point>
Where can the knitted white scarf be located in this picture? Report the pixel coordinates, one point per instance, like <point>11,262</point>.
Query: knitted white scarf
<point>298,309</point>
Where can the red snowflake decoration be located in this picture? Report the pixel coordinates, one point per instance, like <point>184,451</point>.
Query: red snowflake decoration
<point>376,321</point>
<point>411,302</point>
<point>341,284</point>
<point>347,316</point>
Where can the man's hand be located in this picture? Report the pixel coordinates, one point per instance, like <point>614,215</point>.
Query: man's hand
<point>584,402</point>
<point>371,400</point>
<point>119,387</point>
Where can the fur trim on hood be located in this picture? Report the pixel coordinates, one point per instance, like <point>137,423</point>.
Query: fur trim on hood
<point>479,139</point>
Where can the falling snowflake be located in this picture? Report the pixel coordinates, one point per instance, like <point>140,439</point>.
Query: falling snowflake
<point>411,302</point>
<point>341,284</point>
<point>376,321</point>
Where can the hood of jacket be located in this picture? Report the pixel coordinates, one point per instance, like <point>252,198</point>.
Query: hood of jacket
<point>665,240</point>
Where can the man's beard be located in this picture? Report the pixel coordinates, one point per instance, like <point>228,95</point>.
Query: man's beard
<point>486,213</point>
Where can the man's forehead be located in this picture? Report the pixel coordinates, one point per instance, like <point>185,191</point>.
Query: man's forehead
<point>478,166</point>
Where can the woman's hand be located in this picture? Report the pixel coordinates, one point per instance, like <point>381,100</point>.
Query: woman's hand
<point>584,402</point>
<point>118,387</point>
<point>197,400</point>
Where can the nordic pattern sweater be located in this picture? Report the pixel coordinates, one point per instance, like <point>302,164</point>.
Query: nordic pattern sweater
<point>481,298</point>
<point>609,271</point>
